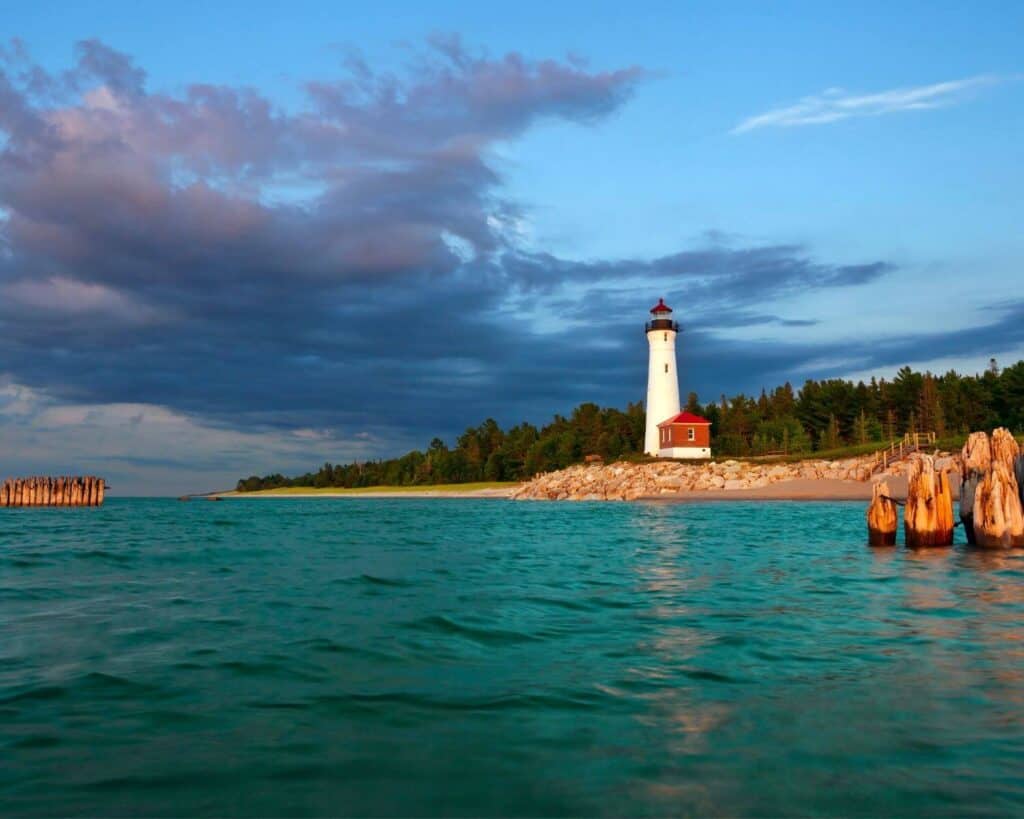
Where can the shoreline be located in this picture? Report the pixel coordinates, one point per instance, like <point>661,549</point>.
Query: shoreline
<point>501,493</point>
<point>800,489</point>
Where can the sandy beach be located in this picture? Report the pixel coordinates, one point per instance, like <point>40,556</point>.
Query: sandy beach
<point>801,489</point>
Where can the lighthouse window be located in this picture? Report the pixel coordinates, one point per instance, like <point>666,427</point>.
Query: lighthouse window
<point>691,434</point>
<point>666,368</point>
<point>665,336</point>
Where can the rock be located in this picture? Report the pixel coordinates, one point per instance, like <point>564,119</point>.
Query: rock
<point>623,480</point>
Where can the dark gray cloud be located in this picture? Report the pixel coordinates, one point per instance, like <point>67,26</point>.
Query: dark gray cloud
<point>347,266</point>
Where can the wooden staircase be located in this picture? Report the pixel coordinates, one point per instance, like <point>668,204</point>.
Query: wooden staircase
<point>900,449</point>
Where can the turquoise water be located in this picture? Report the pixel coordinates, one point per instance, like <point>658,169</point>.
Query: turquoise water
<point>453,657</point>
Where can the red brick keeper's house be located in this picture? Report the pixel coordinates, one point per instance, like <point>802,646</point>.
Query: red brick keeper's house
<point>685,436</point>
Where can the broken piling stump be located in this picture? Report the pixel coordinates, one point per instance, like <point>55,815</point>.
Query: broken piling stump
<point>928,515</point>
<point>975,462</point>
<point>882,516</point>
<point>1005,449</point>
<point>998,511</point>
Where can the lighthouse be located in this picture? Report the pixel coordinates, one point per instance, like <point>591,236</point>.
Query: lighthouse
<point>662,376</point>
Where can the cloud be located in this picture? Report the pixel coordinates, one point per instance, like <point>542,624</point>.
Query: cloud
<point>836,104</point>
<point>146,449</point>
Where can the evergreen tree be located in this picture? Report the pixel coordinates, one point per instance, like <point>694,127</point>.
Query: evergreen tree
<point>779,420</point>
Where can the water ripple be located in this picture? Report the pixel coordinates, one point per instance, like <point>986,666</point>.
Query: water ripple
<point>482,658</point>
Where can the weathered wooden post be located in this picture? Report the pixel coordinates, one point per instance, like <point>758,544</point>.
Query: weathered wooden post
<point>975,461</point>
<point>1005,448</point>
<point>998,512</point>
<point>47,491</point>
<point>928,516</point>
<point>882,516</point>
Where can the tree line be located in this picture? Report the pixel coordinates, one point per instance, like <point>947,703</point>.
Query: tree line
<point>821,415</point>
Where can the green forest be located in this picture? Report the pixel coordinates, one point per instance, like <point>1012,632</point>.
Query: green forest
<point>820,416</point>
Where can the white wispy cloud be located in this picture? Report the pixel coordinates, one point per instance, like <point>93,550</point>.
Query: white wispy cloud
<point>836,104</point>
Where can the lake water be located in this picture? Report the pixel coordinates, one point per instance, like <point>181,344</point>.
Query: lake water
<point>458,657</point>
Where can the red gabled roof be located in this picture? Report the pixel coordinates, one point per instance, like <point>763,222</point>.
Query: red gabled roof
<point>685,418</point>
<point>661,307</point>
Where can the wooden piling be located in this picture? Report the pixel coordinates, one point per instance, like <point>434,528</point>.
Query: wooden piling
<point>975,462</point>
<point>1005,448</point>
<point>977,452</point>
<point>998,511</point>
<point>969,482</point>
<point>882,516</point>
<point>928,516</point>
<point>48,491</point>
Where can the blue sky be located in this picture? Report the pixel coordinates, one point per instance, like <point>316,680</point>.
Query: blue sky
<point>851,167</point>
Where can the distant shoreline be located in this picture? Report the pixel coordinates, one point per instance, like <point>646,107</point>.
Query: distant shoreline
<point>469,490</point>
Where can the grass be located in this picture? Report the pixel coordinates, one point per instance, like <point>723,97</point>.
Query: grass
<point>370,490</point>
<point>835,454</point>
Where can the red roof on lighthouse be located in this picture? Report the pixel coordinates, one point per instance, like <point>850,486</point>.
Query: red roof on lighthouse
<point>685,418</point>
<point>661,307</point>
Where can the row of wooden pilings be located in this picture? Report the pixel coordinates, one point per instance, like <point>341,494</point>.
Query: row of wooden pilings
<point>991,498</point>
<point>65,491</point>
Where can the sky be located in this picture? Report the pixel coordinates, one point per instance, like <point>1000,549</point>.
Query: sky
<point>244,238</point>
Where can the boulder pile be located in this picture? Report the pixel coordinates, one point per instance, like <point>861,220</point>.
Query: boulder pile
<point>629,481</point>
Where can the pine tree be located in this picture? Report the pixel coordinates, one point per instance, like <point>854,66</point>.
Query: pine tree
<point>860,428</point>
<point>830,437</point>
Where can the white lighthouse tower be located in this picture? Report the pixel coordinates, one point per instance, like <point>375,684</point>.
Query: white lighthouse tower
<point>662,376</point>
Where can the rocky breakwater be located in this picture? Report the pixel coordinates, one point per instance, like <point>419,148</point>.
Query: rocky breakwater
<point>629,481</point>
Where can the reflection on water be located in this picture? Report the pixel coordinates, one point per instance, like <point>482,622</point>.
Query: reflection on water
<point>376,657</point>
